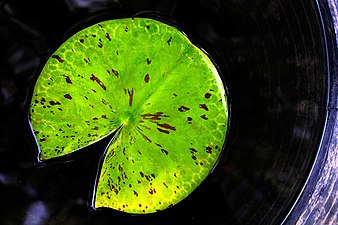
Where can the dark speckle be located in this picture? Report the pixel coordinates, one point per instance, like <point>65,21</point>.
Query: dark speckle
<point>146,78</point>
<point>163,131</point>
<point>209,149</point>
<point>108,37</point>
<point>164,151</point>
<point>98,81</point>
<point>204,106</point>
<point>183,108</point>
<point>204,117</point>
<point>68,80</point>
<point>54,103</point>
<point>189,120</point>
<point>115,72</point>
<point>169,41</point>
<point>58,58</point>
<point>68,96</point>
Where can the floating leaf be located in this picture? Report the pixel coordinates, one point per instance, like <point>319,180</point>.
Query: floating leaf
<point>147,82</point>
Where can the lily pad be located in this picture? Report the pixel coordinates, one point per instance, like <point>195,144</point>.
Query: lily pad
<point>146,81</point>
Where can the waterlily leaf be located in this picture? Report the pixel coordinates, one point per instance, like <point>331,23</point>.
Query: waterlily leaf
<point>147,81</point>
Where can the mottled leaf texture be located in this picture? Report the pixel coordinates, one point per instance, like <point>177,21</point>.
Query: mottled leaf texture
<point>147,82</point>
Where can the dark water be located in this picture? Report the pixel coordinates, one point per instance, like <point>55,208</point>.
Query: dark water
<point>272,57</point>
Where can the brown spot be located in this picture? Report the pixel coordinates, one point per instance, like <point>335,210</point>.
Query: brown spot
<point>189,120</point>
<point>95,128</point>
<point>146,78</point>
<point>204,106</point>
<point>147,177</point>
<point>141,173</point>
<point>104,117</point>
<point>204,117</point>
<point>169,40</point>
<point>147,27</point>
<point>97,80</point>
<point>148,61</point>
<point>166,126</point>
<point>126,29</point>
<point>164,151</point>
<point>165,184</point>
<point>163,131</point>
<point>100,45</point>
<point>131,95</point>
<point>58,58</point>
<point>95,118</point>
<point>54,103</point>
<point>135,193</point>
<point>115,72</point>
<point>86,60</point>
<point>81,40</point>
<point>153,117</point>
<point>108,37</point>
<point>209,149</point>
<point>183,108</point>
<point>99,25</point>
<point>43,139</point>
<point>194,157</point>
<point>68,80</point>
<point>148,128</point>
<point>193,150</point>
<point>152,191</point>
<point>68,96</point>
<point>207,95</point>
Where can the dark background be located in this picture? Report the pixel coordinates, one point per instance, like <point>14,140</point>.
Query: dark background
<point>272,56</point>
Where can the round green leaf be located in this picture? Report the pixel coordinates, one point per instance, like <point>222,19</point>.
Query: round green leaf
<point>147,81</point>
